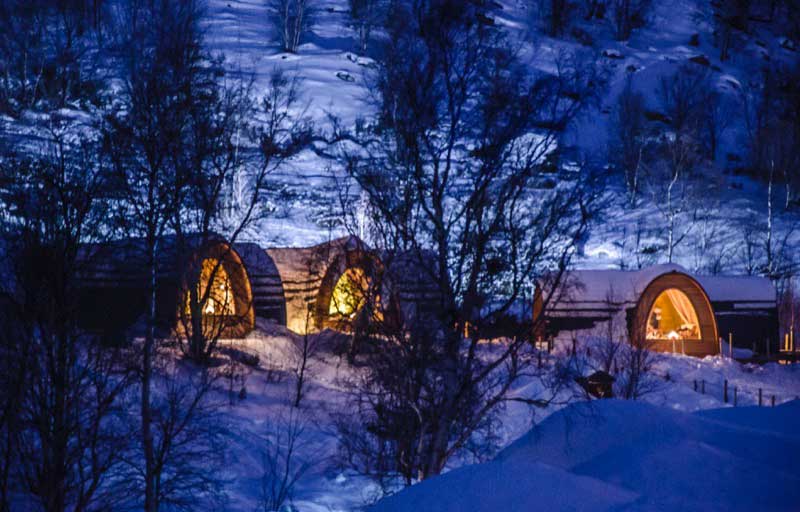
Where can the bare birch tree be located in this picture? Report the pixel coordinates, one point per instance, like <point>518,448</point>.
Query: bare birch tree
<point>453,168</point>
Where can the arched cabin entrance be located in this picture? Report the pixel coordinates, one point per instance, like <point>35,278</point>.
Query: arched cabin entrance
<point>328,286</point>
<point>216,295</point>
<point>674,314</point>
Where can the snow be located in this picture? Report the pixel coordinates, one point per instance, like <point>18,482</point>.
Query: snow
<point>547,477</point>
<point>621,286</point>
<point>627,455</point>
<point>738,288</point>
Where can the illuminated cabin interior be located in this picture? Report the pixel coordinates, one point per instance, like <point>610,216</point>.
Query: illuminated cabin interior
<point>350,295</point>
<point>215,282</point>
<point>673,317</point>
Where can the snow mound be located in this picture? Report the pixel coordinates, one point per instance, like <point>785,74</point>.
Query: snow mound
<point>627,455</point>
<point>517,485</point>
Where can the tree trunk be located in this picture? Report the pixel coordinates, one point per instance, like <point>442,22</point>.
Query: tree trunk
<point>150,498</point>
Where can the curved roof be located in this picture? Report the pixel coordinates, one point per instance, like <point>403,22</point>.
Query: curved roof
<point>587,288</point>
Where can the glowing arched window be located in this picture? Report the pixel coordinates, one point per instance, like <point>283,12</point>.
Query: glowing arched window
<point>220,294</point>
<point>673,317</point>
<point>348,295</point>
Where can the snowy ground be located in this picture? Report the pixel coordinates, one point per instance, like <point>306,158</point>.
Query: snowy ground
<point>593,473</point>
<point>618,455</point>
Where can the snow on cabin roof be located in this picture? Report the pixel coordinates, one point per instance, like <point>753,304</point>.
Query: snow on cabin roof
<point>738,288</point>
<point>593,288</point>
<point>609,286</point>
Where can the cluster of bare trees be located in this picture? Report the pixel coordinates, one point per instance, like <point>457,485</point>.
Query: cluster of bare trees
<point>47,55</point>
<point>89,422</point>
<point>623,16</point>
<point>734,20</point>
<point>455,168</point>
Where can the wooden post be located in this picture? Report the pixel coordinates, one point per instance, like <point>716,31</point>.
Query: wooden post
<point>735,395</point>
<point>730,345</point>
<point>725,392</point>
<point>773,400</point>
<point>703,386</point>
<point>759,397</point>
<point>683,346</point>
<point>786,342</point>
<point>673,345</point>
<point>539,356</point>
<point>574,342</point>
<point>721,354</point>
<point>695,385</point>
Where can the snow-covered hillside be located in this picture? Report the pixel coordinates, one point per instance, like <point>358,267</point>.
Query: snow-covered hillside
<point>334,82</point>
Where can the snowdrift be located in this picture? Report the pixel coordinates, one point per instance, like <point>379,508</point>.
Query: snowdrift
<point>626,455</point>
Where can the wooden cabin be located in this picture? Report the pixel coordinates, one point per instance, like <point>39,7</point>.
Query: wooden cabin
<point>329,285</point>
<point>663,307</point>
<point>113,291</point>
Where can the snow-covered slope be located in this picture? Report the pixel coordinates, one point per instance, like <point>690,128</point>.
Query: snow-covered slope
<point>618,455</point>
<point>589,456</point>
<point>333,83</point>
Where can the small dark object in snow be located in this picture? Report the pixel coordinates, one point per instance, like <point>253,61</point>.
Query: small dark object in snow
<point>485,20</point>
<point>347,77</point>
<point>582,36</point>
<point>612,54</point>
<point>789,44</point>
<point>652,115</point>
<point>700,59</point>
<point>243,393</point>
<point>599,384</point>
<point>694,40</point>
<point>631,69</point>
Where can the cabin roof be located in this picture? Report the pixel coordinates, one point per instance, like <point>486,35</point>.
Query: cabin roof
<point>590,289</point>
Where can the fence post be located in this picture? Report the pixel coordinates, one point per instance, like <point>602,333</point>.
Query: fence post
<point>725,392</point>
<point>735,395</point>
<point>703,386</point>
<point>730,345</point>
<point>695,385</point>
<point>721,353</point>
<point>759,397</point>
<point>673,346</point>
<point>773,400</point>
<point>683,346</point>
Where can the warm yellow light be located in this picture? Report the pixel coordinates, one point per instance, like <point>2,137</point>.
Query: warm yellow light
<point>220,291</point>
<point>348,295</point>
<point>673,317</point>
